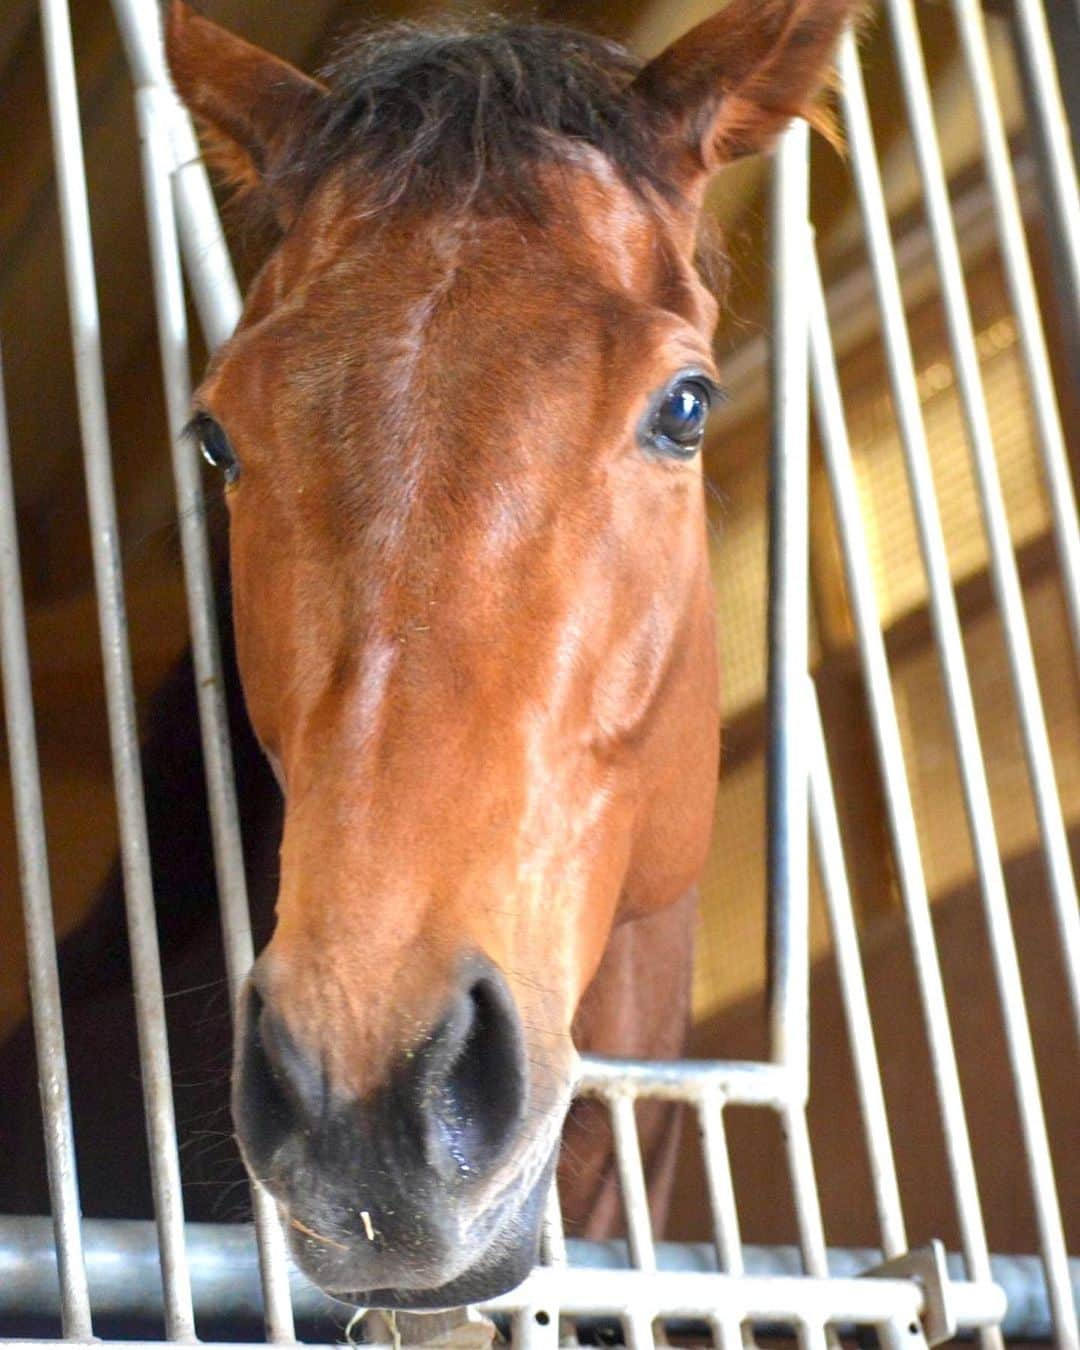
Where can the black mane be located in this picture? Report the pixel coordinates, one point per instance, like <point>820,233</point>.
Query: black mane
<point>459,114</point>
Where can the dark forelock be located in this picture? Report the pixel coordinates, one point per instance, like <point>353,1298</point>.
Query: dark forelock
<point>459,114</point>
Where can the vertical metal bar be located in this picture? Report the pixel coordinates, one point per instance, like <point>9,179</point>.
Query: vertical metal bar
<point>946,625</point>
<point>788,886</point>
<point>206,254</point>
<point>804,1190</point>
<point>1063,24</point>
<point>553,1237</point>
<point>632,1182</point>
<point>826,828</point>
<point>152,109</point>
<point>1059,296</point>
<point>639,1331</point>
<point>901,812</point>
<point>725,1216</point>
<point>727,1333</point>
<point>38,915</point>
<point>1022,292</point>
<point>723,1213</point>
<point>1003,568</point>
<point>535,1328</point>
<point>135,858</point>
<point>897,1334</point>
<point>811,1336</point>
<point>175,179</point>
<point>1037,54</point>
<point>538,1325</point>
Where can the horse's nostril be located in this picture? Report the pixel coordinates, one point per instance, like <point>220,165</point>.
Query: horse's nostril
<point>476,1083</point>
<point>276,1086</point>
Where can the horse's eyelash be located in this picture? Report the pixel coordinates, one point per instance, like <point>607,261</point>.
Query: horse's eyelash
<point>192,428</point>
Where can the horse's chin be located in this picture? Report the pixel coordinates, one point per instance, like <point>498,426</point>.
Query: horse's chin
<point>508,1241</point>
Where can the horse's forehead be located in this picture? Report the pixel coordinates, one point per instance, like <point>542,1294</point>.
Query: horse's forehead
<point>594,224</point>
<point>461,296</point>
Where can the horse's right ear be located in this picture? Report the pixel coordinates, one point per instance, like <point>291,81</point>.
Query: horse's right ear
<point>253,110</point>
<point>729,87</point>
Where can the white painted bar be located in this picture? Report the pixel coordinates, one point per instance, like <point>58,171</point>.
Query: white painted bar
<point>153,109</point>
<point>830,851</point>
<point>1016,259</point>
<point>946,624</point>
<point>36,896</point>
<point>123,730</point>
<point>788,856</point>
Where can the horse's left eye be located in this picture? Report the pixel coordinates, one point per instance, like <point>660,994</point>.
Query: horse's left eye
<point>677,425</point>
<point>215,446</point>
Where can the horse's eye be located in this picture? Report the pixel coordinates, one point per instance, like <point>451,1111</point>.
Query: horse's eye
<point>215,446</point>
<point>677,425</point>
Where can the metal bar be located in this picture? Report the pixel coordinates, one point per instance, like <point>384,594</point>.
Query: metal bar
<point>202,617</point>
<point>946,626</point>
<point>1059,296</point>
<point>804,1191</point>
<point>802,1301</point>
<point>36,896</point>
<point>553,1236</point>
<point>1037,54</point>
<point>135,859</point>
<point>788,884</point>
<point>206,254</point>
<point>851,301</point>
<point>536,1328</point>
<point>811,1334</point>
<point>632,1187</point>
<point>170,159</point>
<point>737,1082</point>
<point>1021,283</point>
<point>122,1259</point>
<point>723,1211</point>
<point>901,812</point>
<point>1063,21</point>
<point>638,1329</point>
<point>772,1299</point>
<point>826,828</point>
<point>726,1332</point>
<point>1003,569</point>
<point>896,1334</point>
<point>725,1216</point>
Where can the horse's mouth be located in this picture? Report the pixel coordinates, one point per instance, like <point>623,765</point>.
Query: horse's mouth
<point>500,1249</point>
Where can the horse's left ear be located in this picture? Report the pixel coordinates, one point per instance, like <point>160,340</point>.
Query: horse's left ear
<point>730,86</point>
<point>254,110</point>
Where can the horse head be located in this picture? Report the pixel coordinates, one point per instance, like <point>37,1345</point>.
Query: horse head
<point>459,425</point>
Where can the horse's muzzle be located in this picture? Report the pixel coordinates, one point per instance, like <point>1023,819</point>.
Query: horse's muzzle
<point>422,1194</point>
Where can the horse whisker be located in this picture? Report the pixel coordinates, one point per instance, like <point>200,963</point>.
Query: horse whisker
<point>311,1233</point>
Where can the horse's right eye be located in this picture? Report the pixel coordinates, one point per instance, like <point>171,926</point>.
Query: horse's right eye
<point>215,446</point>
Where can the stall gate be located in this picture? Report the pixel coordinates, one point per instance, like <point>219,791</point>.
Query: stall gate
<point>729,1293</point>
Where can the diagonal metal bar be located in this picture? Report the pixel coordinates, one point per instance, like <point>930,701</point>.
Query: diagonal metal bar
<point>38,916</point>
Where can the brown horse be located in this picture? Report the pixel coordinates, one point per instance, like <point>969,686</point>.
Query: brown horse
<point>459,426</point>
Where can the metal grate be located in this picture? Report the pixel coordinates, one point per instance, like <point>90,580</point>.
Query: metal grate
<point>728,1292</point>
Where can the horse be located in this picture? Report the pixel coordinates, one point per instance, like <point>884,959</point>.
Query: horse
<point>459,430</point>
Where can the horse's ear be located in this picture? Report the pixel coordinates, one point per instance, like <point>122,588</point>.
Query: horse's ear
<point>253,109</point>
<point>729,87</point>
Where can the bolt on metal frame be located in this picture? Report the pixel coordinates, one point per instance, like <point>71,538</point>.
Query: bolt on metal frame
<point>731,1296</point>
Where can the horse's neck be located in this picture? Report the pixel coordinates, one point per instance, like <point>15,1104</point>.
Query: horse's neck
<point>638,1005</point>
